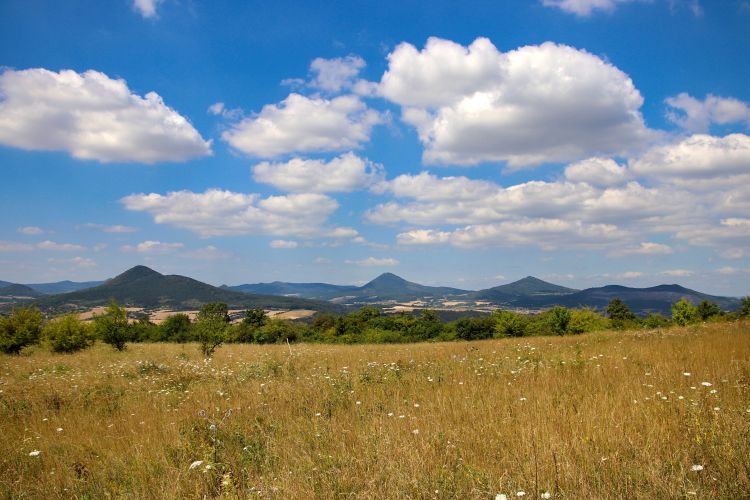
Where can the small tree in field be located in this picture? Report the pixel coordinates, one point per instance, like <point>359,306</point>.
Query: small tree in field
<point>211,327</point>
<point>744,311</point>
<point>707,309</point>
<point>22,328</point>
<point>619,313</point>
<point>68,334</point>
<point>559,319</point>
<point>112,326</point>
<point>683,312</point>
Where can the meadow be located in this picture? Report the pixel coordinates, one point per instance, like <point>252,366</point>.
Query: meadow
<point>636,414</point>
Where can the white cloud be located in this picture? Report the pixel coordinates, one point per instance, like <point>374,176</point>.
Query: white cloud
<point>585,8</point>
<point>146,8</point>
<point>209,252</point>
<point>59,247</point>
<point>304,124</point>
<point>30,230</point>
<point>153,247</point>
<point>597,171</point>
<point>345,173</point>
<point>116,228</point>
<point>221,213</point>
<point>697,116</point>
<point>285,244</point>
<point>322,260</point>
<point>728,270</point>
<point>535,104</point>
<point>697,157</point>
<point>629,275</point>
<point>12,246</point>
<point>335,75</point>
<point>645,248</point>
<point>374,262</point>
<point>93,117</point>
<point>677,273</point>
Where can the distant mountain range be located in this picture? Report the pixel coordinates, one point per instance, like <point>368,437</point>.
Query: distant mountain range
<point>144,287</point>
<point>385,287</point>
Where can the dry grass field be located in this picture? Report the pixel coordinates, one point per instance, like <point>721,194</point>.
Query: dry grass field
<point>654,414</point>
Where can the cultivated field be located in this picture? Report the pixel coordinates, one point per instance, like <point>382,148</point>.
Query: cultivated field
<point>656,414</point>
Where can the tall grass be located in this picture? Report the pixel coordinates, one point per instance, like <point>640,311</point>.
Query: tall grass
<point>601,415</point>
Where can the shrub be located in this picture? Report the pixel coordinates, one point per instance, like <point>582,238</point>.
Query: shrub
<point>177,328</point>
<point>212,326</point>
<point>619,314</point>
<point>656,321</point>
<point>586,320</point>
<point>744,311</point>
<point>475,328</point>
<point>22,328</point>
<point>559,319</point>
<point>112,326</point>
<point>68,334</point>
<point>510,324</point>
<point>683,312</point>
<point>707,309</point>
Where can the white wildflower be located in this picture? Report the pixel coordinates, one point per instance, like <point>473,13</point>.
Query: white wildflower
<point>696,468</point>
<point>706,384</point>
<point>546,495</point>
<point>195,464</point>
<point>35,453</point>
<point>521,493</point>
<point>687,374</point>
<point>501,496</point>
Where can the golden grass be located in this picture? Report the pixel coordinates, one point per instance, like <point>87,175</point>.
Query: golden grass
<point>609,415</point>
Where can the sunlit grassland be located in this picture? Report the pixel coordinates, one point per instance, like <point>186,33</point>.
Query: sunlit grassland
<point>600,415</point>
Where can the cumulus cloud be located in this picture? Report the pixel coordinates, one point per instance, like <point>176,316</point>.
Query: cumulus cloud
<point>30,230</point>
<point>585,8</point>
<point>223,213</point>
<point>59,247</point>
<point>345,173</point>
<point>283,244</point>
<point>208,252</point>
<point>535,104</point>
<point>335,75</point>
<point>93,117</point>
<point>82,262</point>
<point>697,116</point>
<point>301,124</point>
<point>645,248</point>
<point>374,262</point>
<point>146,8</point>
<point>677,273</point>
<point>597,171</point>
<point>153,247</point>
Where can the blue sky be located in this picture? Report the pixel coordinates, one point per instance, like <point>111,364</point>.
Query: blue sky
<point>585,142</point>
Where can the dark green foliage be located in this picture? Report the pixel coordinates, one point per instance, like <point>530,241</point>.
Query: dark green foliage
<point>176,328</point>
<point>619,314</point>
<point>684,313</point>
<point>22,328</point>
<point>112,327</point>
<point>744,311</point>
<point>656,321</point>
<point>212,326</point>
<point>559,319</point>
<point>510,324</point>
<point>475,328</point>
<point>144,330</point>
<point>255,317</point>
<point>275,331</point>
<point>707,309</point>
<point>68,334</point>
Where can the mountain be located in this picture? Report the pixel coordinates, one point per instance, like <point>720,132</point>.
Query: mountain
<point>62,286</point>
<point>525,287</point>
<point>319,291</point>
<point>385,287</point>
<point>655,299</point>
<point>17,291</point>
<point>144,287</point>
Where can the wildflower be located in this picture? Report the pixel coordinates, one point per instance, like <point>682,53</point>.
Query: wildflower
<point>687,374</point>
<point>359,402</point>
<point>500,496</point>
<point>546,495</point>
<point>521,494</point>
<point>696,468</point>
<point>390,414</point>
<point>415,431</point>
<point>35,453</point>
<point>716,408</point>
<point>212,427</point>
<point>202,413</point>
<point>196,464</point>
<point>59,429</point>
<point>706,384</point>
<point>713,391</point>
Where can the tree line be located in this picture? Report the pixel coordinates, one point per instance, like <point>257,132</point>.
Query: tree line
<point>26,326</point>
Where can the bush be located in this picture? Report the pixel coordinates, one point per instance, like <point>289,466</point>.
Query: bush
<point>510,324</point>
<point>620,314</point>
<point>744,311</point>
<point>176,328</point>
<point>68,334</point>
<point>586,320</point>
<point>707,309</point>
<point>112,327</point>
<point>475,328</point>
<point>656,321</point>
<point>684,313</point>
<point>559,319</point>
<point>22,328</point>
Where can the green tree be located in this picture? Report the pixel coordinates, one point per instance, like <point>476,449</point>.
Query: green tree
<point>475,328</point>
<point>176,328</point>
<point>112,327</point>
<point>510,324</point>
<point>559,319</point>
<point>586,320</point>
<point>744,311</point>
<point>22,328</point>
<point>656,321</point>
<point>68,334</point>
<point>255,317</point>
<point>683,312</point>
<point>707,309</point>
<point>619,313</point>
<point>211,327</point>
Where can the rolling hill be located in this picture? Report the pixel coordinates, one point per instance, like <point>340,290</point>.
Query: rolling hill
<point>15,290</point>
<point>144,287</point>
<point>319,291</point>
<point>525,287</point>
